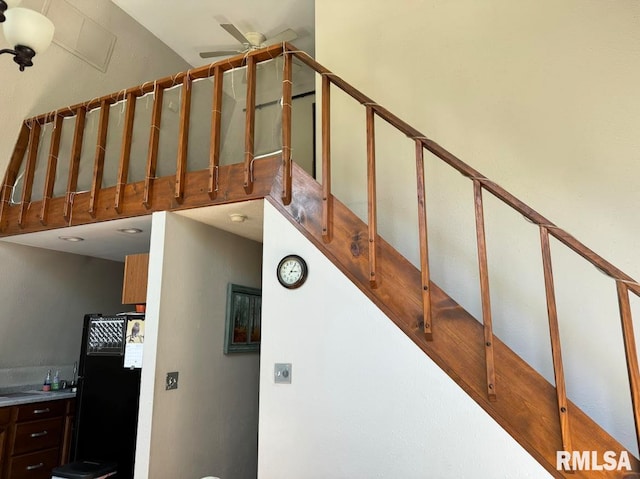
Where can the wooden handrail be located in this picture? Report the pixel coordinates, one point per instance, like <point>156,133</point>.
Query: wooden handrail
<point>490,186</point>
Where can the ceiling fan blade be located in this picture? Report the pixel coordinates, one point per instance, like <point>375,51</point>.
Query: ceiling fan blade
<point>234,32</point>
<point>287,35</point>
<point>219,53</point>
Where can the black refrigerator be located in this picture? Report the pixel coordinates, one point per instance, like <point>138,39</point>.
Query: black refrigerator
<point>108,391</point>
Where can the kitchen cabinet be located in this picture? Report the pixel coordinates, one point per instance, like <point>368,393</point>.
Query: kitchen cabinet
<point>34,438</point>
<point>134,287</point>
<point>5,417</point>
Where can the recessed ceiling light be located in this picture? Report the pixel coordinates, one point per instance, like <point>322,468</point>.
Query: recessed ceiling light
<point>73,239</point>
<point>130,231</point>
<point>237,217</point>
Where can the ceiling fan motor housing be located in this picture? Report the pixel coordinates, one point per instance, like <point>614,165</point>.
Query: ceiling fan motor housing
<point>255,39</point>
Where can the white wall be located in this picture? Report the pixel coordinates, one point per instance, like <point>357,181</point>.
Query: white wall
<point>540,96</point>
<point>364,400</point>
<point>59,79</point>
<point>208,426</point>
<point>44,296</point>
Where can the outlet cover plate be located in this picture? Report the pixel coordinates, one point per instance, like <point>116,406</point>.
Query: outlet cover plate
<point>172,381</point>
<point>282,373</point>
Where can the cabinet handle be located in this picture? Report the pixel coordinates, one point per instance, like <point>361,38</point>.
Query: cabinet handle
<point>41,411</point>
<point>39,434</point>
<point>35,466</point>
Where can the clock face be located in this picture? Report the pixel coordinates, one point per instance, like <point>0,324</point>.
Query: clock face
<point>292,271</point>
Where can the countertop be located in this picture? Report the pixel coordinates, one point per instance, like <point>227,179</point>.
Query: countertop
<point>15,398</point>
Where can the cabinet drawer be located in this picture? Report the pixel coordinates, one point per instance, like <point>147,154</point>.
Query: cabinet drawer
<point>36,435</point>
<point>40,410</point>
<point>37,465</point>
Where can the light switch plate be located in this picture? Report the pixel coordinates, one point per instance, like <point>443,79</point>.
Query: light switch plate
<point>282,373</point>
<point>172,380</point>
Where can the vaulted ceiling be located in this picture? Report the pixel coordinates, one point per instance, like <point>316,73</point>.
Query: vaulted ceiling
<point>193,26</point>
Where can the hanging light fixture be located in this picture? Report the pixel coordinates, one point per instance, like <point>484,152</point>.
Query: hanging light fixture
<point>29,31</point>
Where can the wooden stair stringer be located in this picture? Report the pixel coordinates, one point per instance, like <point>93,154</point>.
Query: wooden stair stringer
<point>526,402</point>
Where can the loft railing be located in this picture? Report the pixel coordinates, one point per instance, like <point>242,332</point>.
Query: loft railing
<point>22,165</point>
<point>27,146</point>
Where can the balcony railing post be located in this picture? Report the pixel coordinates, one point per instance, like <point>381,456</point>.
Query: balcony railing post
<point>216,123</point>
<point>183,139</point>
<point>101,149</point>
<point>154,141</point>
<point>52,166</point>
<point>125,153</point>
<point>286,128</point>
<point>29,171</point>
<point>487,318</point>
<point>250,123</point>
<point>74,162</point>
<point>12,171</point>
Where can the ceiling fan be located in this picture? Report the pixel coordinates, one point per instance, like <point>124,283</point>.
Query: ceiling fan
<point>250,41</point>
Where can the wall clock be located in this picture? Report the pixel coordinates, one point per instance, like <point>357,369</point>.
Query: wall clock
<point>292,271</point>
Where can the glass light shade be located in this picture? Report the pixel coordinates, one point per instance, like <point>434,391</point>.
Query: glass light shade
<point>12,3</point>
<point>28,28</point>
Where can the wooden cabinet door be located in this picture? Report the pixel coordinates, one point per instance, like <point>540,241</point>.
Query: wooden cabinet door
<point>134,287</point>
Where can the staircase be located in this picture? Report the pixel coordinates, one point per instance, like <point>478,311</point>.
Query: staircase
<point>536,413</point>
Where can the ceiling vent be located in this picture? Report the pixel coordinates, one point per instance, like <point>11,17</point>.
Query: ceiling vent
<point>80,35</point>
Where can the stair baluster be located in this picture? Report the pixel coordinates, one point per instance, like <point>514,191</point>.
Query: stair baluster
<point>554,331</point>
<point>423,238</point>
<point>487,318</point>
<point>630,351</point>
<point>327,198</point>
<point>371,196</point>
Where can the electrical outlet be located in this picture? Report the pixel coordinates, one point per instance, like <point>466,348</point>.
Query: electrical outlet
<point>172,381</point>
<point>282,373</point>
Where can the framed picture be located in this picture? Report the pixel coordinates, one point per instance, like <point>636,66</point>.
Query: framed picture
<point>243,322</point>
